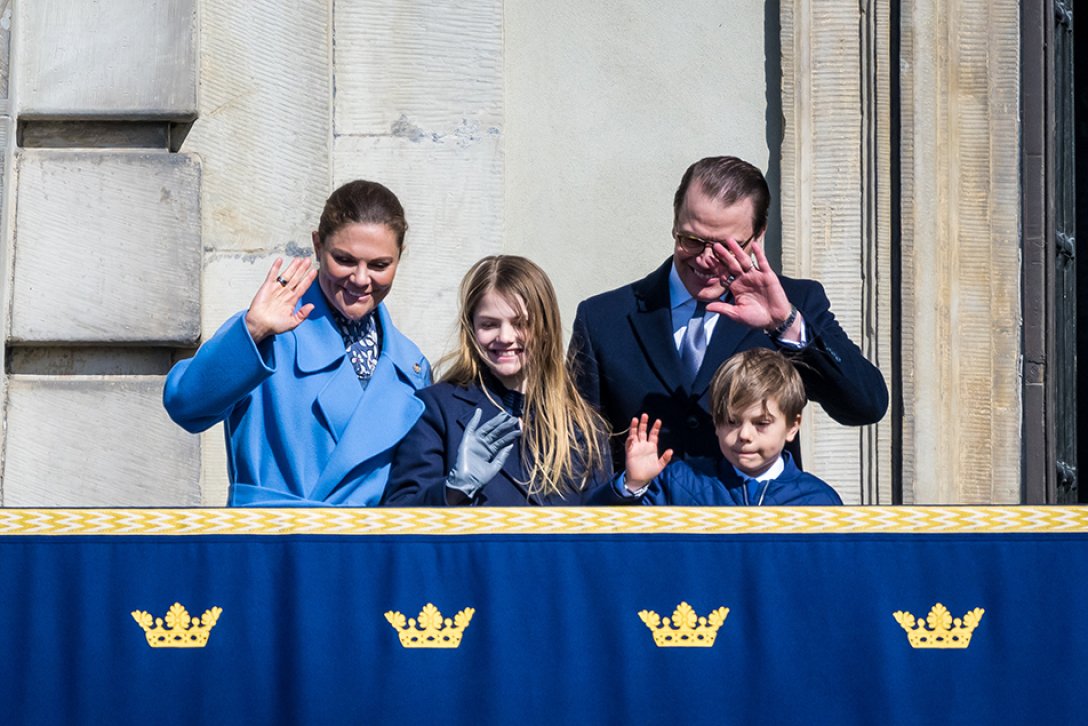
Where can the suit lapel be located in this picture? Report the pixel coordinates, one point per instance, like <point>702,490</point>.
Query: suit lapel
<point>652,323</point>
<point>725,341</point>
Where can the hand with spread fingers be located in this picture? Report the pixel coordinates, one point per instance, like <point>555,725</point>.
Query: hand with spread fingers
<point>758,298</point>
<point>483,450</point>
<point>273,308</point>
<point>642,462</point>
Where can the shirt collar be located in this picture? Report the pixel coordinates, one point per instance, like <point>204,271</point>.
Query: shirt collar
<point>774,472</point>
<point>678,294</point>
<point>512,401</point>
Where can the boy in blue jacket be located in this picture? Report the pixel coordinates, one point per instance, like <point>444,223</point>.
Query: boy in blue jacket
<point>756,399</point>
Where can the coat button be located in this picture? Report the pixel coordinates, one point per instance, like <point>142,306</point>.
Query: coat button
<point>417,368</point>
<point>693,423</point>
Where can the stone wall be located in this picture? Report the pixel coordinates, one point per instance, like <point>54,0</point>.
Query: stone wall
<point>159,154</point>
<point>103,251</point>
<point>169,150</point>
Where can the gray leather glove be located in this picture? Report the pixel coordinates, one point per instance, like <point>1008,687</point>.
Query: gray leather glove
<point>482,452</point>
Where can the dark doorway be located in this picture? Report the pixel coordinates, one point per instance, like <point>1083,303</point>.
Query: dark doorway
<point>1079,59</point>
<point>1054,285</point>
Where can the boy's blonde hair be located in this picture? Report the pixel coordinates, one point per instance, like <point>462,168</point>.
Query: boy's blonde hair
<point>754,376</point>
<point>561,434</point>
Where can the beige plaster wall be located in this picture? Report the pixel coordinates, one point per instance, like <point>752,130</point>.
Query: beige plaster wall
<point>607,103</point>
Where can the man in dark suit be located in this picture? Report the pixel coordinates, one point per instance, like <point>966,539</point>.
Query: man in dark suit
<point>652,346</point>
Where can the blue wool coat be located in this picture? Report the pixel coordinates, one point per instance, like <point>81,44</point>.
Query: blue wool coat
<point>429,451</point>
<point>301,430</point>
<point>716,483</point>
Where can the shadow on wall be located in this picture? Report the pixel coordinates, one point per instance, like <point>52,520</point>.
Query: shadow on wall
<point>772,43</point>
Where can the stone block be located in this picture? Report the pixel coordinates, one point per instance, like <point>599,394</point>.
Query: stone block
<point>119,59</point>
<point>417,68</point>
<point>214,482</point>
<point>5,50</point>
<point>231,280</point>
<point>263,132</point>
<point>94,442</point>
<point>107,248</point>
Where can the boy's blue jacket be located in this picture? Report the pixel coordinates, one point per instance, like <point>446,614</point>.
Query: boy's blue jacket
<point>692,484</point>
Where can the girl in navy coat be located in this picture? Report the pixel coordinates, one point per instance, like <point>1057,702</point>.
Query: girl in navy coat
<point>505,425</point>
<point>314,385</point>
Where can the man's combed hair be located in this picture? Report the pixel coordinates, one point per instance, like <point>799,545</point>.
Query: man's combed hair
<point>728,180</point>
<point>752,377</point>
<point>562,437</point>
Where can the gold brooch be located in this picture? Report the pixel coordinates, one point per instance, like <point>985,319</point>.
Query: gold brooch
<point>686,629</point>
<point>432,630</point>
<point>180,630</point>
<point>943,631</point>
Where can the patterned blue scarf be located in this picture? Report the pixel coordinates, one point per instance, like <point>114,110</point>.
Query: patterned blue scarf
<point>362,342</point>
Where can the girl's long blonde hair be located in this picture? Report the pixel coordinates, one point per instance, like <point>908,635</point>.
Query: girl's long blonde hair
<point>562,435</point>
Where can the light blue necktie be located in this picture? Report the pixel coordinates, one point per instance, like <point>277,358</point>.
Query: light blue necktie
<point>693,346</point>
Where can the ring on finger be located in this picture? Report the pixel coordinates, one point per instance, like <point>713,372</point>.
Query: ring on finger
<point>281,281</point>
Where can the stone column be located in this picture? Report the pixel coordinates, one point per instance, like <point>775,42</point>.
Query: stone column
<point>961,249</point>
<point>836,209</point>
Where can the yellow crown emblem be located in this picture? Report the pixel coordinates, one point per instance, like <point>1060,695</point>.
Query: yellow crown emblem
<point>943,632</point>
<point>687,629</point>
<point>181,631</point>
<point>432,630</point>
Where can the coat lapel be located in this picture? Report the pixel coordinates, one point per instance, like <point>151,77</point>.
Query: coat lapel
<point>362,422</point>
<point>383,414</point>
<point>319,347</point>
<point>474,398</point>
<point>652,323</point>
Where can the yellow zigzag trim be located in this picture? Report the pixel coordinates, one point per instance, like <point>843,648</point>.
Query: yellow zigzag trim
<point>548,520</point>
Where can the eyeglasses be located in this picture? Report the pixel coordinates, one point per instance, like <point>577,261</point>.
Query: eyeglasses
<point>695,245</point>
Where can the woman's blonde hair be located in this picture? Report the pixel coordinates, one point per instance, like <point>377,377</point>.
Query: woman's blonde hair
<point>562,435</point>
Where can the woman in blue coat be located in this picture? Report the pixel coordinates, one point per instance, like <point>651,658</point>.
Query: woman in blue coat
<point>505,425</point>
<point>313,384</point>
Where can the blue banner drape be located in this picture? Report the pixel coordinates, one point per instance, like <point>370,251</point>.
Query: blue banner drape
<point>555,635</point>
